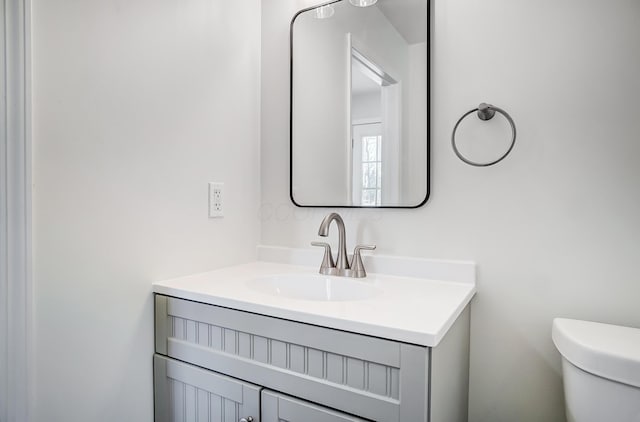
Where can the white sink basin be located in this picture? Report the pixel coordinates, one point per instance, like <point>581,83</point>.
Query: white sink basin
<point>314,287</point>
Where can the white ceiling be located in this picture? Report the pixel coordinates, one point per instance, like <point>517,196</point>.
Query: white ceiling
<point>409,17</point>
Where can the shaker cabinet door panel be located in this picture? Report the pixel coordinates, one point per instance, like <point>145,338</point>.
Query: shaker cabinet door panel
<point>278,407</point>
<point>185,393</point>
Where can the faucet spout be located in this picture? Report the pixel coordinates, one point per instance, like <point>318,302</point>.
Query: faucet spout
<point>342,262</point>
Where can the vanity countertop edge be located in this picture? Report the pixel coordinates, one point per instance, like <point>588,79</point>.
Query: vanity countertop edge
<point>410,309</point>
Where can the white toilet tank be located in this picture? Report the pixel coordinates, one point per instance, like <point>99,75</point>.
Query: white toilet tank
<point>600,369</point>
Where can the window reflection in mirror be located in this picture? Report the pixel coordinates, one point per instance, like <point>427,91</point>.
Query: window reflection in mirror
<point>359,81</point>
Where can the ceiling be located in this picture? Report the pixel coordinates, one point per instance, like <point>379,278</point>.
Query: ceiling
<point>409,17</point>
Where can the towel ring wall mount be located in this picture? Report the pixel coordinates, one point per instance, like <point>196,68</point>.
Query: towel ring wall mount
<point>485,112</point>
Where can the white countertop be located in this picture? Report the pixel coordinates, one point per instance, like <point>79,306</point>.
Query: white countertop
<point>408,309</point>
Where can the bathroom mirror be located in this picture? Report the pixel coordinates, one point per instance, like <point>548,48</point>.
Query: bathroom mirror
<point>360,104</point>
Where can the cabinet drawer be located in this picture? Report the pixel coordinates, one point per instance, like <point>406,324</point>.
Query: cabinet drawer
<point>183,392</point>
<point>357,374</point>
<point>278,407</point>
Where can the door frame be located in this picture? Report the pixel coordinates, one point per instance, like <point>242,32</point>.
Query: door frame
<point>16,288</point>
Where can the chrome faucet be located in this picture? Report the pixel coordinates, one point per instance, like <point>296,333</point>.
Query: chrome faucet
<point>342,262</point>
<point>341,266</point>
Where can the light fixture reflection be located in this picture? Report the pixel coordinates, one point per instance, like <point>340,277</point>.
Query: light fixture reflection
<point>363,3</point>
<point>324,12</point>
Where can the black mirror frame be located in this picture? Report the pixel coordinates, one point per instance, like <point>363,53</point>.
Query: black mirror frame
<point>428,117</point>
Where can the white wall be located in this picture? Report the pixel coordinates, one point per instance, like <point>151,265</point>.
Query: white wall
<point>137,105</point>
<point>320,122</point>
<point>414,148</point>
<point>554,228</point>
<point>366,107</point>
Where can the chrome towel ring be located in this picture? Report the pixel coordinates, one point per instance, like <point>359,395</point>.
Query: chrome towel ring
<point>485,112</point>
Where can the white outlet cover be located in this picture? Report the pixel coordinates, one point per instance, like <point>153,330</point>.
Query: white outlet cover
<point>216,199</point>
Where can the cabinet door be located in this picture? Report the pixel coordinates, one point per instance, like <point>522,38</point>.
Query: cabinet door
<point>278,407</point>
<point>186,393</point>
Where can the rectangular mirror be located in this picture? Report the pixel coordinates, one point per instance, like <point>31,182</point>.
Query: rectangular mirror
<point>360,104</point>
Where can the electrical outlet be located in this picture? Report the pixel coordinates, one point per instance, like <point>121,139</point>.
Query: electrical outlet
<point>216,209</point>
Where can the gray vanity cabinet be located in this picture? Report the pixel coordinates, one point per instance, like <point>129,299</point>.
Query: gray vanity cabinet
<point>347,373</point>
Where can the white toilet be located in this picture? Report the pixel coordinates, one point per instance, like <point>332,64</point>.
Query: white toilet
<point>600,369</point>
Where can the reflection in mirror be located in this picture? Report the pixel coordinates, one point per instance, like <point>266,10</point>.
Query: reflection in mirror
<point>359,105</point>
<point>372,92</point>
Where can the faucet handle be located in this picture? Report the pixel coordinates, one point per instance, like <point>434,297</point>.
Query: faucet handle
<point>357,267</point>
<point>327,260</point>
